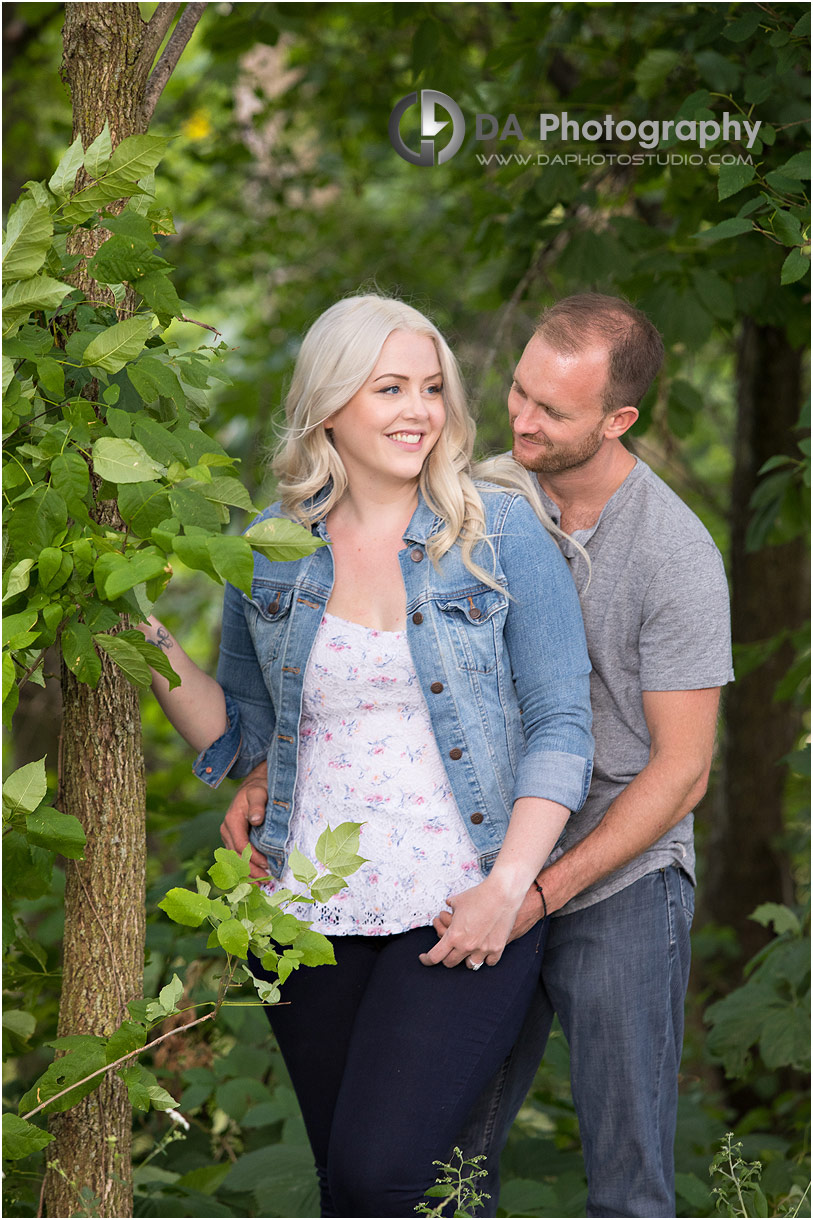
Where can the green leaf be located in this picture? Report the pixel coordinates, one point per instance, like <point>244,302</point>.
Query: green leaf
<point>79,652</point>
<point>152,378</point>
<point>49,563</point>
<point>143,1090</point>
<point>795,266</point>
<point>39,292</point>
<point>733,178</point>
<point>159,442</point>
<point>98,153</point>
<point>326,886</point>
<point>123,461</point>
<point>155,657</point>
<point>315,948</point>
<point>301,866</point>
<point>727,228</point>
<point>63,179</point>
<point>51,377</point>
<point>129,1036</point>
<point>169,996</point>
<point>25,788</point>
<point>182,906</point>
<point>122,259</point>
<point>126,571</point>
<point>229,870</point>
<point>192,550</point>
<point>28,238</point>
<point>193,509</point>
<point>797,167</point>
<point>232,559</point>
<point>128,658</point>
<point>277,538</point>
<point>744,27</point>
<point>233,937</point>
<point>86,1055</point>
<point>19,578</point>
<point>159,292</point>
<point>137,156</point>
<point>652,71</point>
<point>227,490</point>
<point>118,344</point>
<point>775,914</point>
<point>92,198</point>
<point>57,831</point>
<point>21,1138</point>
<point>17,629</point>
<point>337,849</point>
<point>143,506</point>
<point>787,227</point>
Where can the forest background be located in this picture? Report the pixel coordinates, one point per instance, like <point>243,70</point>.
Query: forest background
<point>286,194</point>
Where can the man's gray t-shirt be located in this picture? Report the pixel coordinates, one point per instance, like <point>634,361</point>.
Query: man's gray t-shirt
<point>656,616</point>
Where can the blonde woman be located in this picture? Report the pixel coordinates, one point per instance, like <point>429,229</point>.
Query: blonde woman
<point>425,674</point>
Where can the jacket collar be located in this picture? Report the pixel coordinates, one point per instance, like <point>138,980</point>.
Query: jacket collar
<point>423,524</point>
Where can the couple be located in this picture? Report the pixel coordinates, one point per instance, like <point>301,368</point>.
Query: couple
<point>425,673</point>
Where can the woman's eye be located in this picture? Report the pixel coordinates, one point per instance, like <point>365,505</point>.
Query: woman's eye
<point>388,389</point>
<point>434,389</point>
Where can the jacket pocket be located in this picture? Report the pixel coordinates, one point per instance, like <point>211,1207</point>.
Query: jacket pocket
<point>267,614</point>
<point>475,623</point>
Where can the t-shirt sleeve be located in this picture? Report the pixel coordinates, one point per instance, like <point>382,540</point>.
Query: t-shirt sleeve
<point>685,640</point>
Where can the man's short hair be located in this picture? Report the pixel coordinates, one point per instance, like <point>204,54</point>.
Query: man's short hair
<point>635,347</point>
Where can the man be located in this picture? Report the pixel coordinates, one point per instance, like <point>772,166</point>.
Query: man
<point>655,604</point>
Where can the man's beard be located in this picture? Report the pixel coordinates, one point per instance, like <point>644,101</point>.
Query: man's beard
<point>554,459</point>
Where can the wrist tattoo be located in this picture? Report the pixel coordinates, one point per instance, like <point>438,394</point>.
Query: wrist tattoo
<point>163,639</point>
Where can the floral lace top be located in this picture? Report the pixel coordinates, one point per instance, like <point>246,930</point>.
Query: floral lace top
<point>367,754</point>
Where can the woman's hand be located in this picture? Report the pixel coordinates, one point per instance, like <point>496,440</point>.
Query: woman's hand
<point>481,923</point>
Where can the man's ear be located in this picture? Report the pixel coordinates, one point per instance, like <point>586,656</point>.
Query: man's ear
<point>620,421</point>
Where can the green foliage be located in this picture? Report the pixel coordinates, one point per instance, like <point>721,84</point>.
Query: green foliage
<point>242,918</point>
<point>771,1011</point>
<point>456,1185</point>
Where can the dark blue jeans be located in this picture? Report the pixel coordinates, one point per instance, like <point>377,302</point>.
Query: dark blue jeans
<point>387,1058</point>
<point>615,974</point>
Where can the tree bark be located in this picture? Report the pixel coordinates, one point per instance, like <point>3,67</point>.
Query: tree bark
<point>746,863</point>
<point>108,54</point>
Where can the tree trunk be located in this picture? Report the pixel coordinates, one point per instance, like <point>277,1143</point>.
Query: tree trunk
<point>108,54</point>
<point>746,863</point>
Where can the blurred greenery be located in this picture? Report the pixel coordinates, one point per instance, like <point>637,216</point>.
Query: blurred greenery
<point>287,195</point>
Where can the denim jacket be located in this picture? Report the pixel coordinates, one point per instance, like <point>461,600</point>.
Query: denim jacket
<point>504,672</point>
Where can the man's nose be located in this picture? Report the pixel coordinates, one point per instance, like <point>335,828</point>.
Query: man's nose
<point>525,420</point>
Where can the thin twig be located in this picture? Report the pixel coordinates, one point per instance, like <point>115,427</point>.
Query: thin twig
<point>110,1066</point>
<point>183,318</point>
<point>162,71</point>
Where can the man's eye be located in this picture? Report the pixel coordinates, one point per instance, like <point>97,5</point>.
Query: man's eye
<point>517,389</point>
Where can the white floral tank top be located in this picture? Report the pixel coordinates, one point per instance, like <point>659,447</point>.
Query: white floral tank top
<point>367,754</point>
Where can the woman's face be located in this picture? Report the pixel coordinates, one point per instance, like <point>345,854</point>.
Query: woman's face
<point>388,428</point>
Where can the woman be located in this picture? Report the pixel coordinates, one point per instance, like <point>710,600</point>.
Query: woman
<point>425,673</point>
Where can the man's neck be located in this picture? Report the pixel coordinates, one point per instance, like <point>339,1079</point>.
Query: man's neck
<point>582,493</point>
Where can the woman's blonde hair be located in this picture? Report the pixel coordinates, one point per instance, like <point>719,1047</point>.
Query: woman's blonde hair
<point>337,357</point>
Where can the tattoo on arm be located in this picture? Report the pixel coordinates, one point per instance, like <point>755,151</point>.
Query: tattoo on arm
<point>162,639</point>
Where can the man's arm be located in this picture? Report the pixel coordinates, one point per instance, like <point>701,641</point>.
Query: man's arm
<point>682,728</point>
<point>247,810</point>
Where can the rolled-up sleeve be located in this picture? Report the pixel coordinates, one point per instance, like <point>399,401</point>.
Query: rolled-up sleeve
<point>544,634</point>
<point>248,704</point>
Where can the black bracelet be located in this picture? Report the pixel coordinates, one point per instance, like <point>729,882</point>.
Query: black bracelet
<point>542,896</point>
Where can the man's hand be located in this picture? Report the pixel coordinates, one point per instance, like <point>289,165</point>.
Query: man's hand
<point>247,810</point>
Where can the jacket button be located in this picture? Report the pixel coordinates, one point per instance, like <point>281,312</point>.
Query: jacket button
<point>436,688</point>
<point>476,818</point>
<point>417,555</point>
<point>208,770</point>
<point>475,613</point>
<point>417,617</point>
<point>455,753</point>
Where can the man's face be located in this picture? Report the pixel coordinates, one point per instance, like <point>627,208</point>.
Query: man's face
<point>555,406</point>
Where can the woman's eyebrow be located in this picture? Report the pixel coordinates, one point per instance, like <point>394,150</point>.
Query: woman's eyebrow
<point>404,377</point>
